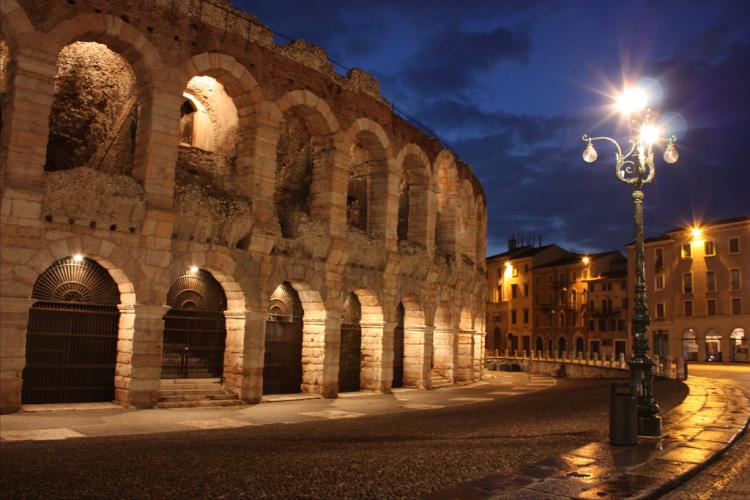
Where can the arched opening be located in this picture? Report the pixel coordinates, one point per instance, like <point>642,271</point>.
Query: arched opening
<point>579,346</point>
<point>398,348</point>
<point>71,342</point>
<point>210,202</point>
<point>282,366</point>
<point>366,195</point>
<point>300,154</point>
<point>412,206</point>
<point>94,111</point>
<point>738,344</point>
<point>91,144</point>
<point>350,353</point>
<point>550,346</point>
<point>713,345</point>
<point>539,344</point>
<point>561,346</point>
<point>194,327</point>
<point>689,345</point>
<point>467,222</point>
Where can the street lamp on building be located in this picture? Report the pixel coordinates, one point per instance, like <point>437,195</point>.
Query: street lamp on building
<point>636,168</point>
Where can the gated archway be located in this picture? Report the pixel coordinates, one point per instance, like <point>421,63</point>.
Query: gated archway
<point>398,348</point>
<point>579,345</point>
<point>71,344</point>
<point>561,346</point>
<point>194,327</point>
<point>350,354</point>
<point>282,363</point>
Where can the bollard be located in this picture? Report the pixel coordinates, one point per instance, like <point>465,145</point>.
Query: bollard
<point>623,421</point>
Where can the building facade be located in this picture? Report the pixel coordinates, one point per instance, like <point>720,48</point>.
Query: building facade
<point>698,282</point>
<point>182,197</point>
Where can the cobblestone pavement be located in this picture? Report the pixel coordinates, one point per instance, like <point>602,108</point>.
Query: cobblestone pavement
<point>400,454</point>
<point>728,477</point>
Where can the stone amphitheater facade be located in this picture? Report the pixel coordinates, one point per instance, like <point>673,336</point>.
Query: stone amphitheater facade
<point>155,140</point>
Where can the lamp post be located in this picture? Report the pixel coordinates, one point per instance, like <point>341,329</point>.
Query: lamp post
<point>636,168</point>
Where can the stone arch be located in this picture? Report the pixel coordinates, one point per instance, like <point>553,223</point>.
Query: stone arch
<point>467,233</point>
<point>561,345</point>
<point>580,346</point>
<point>371,180</point>
<point>376,367</point>
<point>305,160</point>
<point>447,181</point>
<point>415,195</point>
<point>713,342</point>
<point>16,306</point>
<point>13,21</point>
<point>225,129</point>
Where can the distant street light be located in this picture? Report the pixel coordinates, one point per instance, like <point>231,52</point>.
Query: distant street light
<point>636,168</point>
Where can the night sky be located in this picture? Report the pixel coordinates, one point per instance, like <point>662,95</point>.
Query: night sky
<point>511,86</point>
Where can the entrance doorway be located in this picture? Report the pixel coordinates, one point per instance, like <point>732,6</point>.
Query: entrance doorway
<point>71,342</point>
<point>579,346</point>
<point>282,359</point>
<point>738,343</point>
<point>350,354</point>
<point>689,345</point>
<point>713,346</point>
<point>194,328</point>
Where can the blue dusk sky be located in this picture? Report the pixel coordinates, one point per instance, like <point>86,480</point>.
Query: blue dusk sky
<point>511,86</point>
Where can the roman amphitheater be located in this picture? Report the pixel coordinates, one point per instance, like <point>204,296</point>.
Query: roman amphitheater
<point>184,198</point>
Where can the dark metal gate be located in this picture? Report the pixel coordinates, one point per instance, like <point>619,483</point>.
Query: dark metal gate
<point>71,342</point>
<point>194,328</point>
<point>350,354</point>
<point>282,363</point>
<point>282,368</point>
<point>398,349</point>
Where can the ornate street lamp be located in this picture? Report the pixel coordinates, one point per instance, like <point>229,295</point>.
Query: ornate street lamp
<point>636,168</point>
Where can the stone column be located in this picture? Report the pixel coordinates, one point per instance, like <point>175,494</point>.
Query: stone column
<point>321,340</point>
<point>444,352</point>
<point>14,320</point>
<point>417,355</point>
<point>243,354</point>
<point>478,357</point>
<point>464,369</point>
<point>139,354</point>
<point>376,372</point>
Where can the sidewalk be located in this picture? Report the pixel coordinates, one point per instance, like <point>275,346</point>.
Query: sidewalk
<point>697,432</point>
<point>50,422</point>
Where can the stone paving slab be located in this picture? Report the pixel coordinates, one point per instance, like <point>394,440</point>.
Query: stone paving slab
<point>697,432</point>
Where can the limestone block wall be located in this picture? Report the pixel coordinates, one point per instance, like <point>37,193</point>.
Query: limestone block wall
<point>147,207</point>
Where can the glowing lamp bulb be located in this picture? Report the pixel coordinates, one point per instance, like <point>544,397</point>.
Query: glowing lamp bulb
<point>697,233</point>
<point>585,261</point>
<point>649,134</point>
<point>590,154</point>
<point>193,269</point>
<point>78,258</point>
<point>632,100</point>
<point>671,155</point>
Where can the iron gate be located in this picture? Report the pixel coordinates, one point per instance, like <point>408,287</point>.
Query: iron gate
<point>282,366</point>
<point>194,328</point>
<point>350,358</point>
<point>193,344</point>
<point>398,349</point>
<point>71,341</point>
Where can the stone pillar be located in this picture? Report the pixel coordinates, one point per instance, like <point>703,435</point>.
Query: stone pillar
<point>243,354</point>
<point>680,368</point>
<point>444,352</point>
<point>14,320</point>
<point>417,355</point>
<point>376,372</point>
<point>668,369</point>
<point>478,357</point>
<point>321,340</point>
<point>464,355</point>
<point>139,354</point>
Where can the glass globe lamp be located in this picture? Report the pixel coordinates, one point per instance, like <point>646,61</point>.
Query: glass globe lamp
<point>589,154</point>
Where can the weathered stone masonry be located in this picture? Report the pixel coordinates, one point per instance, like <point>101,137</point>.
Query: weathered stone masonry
<point>156,136</point>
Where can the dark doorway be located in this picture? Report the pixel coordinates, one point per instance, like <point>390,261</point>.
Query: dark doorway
<point>350,354</point>
<point>561,346</point>
<point>282,364</point>
<point>579,345</point>
<point>539,344</point>
<point>71,342</point>
<point>398,348</point>
<point>194,328</point>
